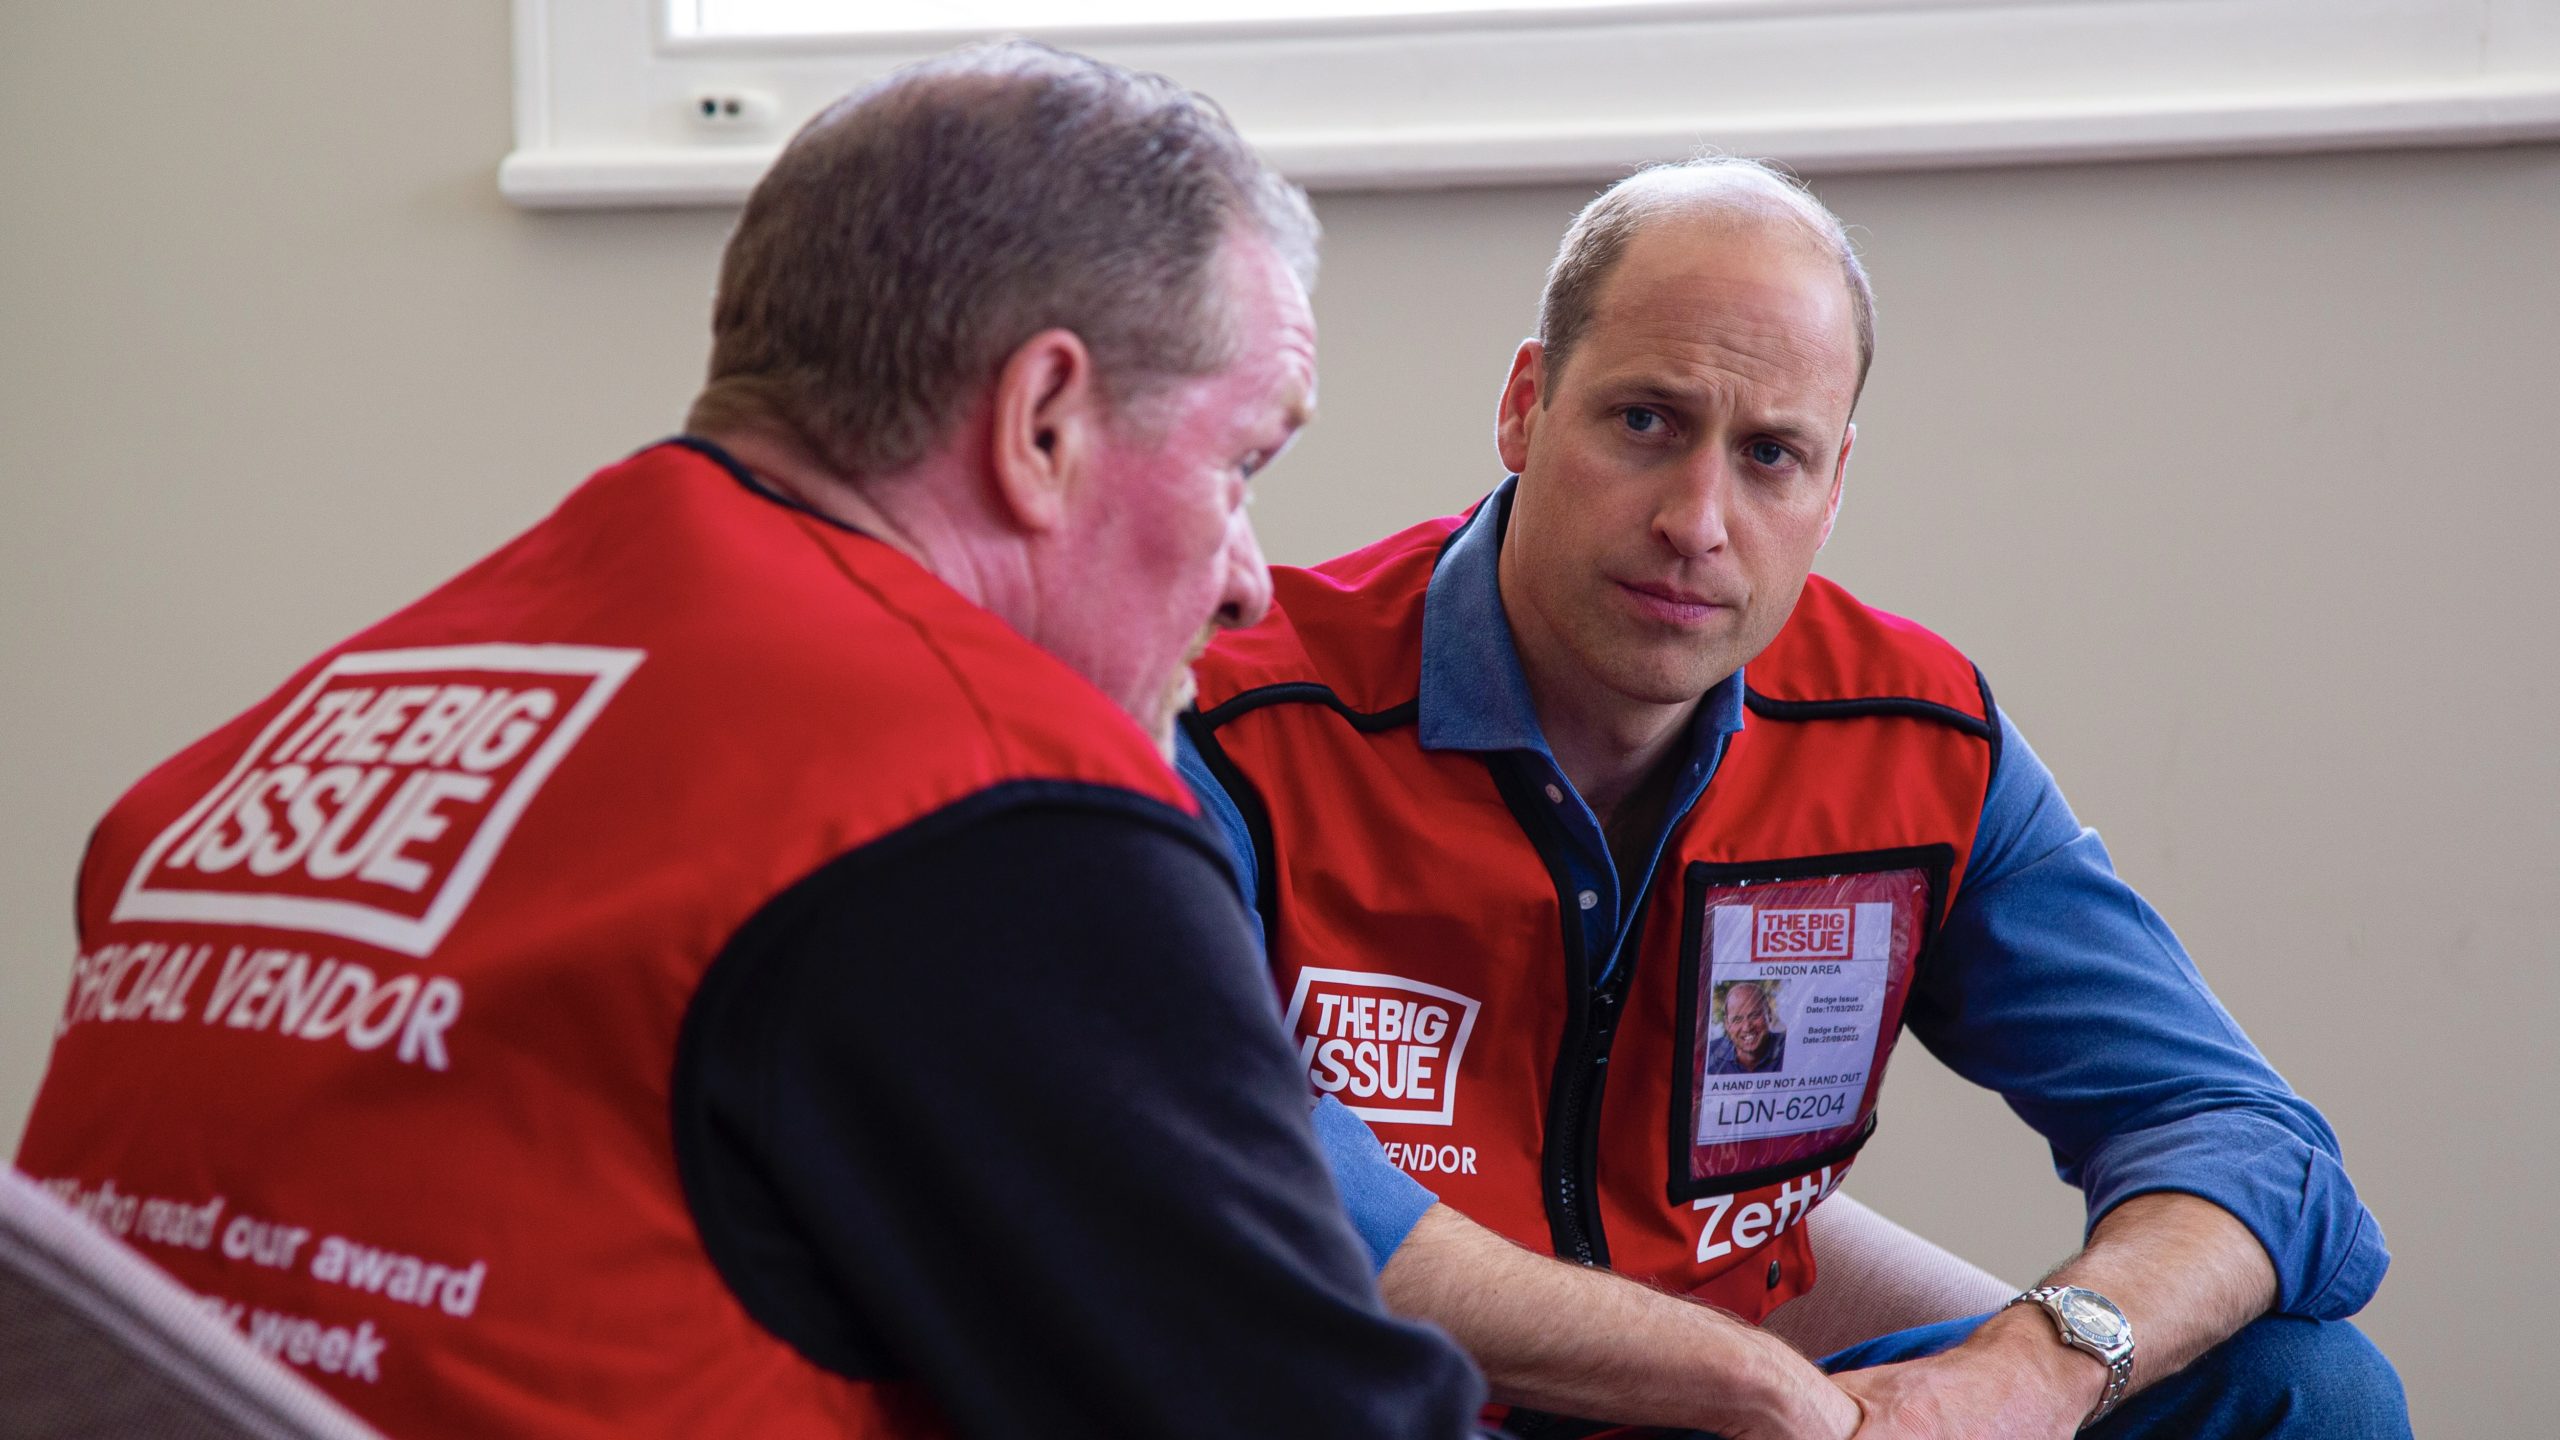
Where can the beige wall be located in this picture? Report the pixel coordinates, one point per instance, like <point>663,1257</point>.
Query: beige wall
<point>2232,475</point>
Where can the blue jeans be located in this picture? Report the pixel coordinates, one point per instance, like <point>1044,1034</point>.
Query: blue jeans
<point>2281,1377</point>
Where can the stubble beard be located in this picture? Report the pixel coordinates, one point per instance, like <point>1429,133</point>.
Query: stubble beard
<point>1180,693</point>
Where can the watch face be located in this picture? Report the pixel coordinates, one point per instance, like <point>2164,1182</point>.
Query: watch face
<point>2093,1317</point>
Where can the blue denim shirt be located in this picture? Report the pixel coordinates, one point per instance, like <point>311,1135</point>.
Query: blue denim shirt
<point>2055,985</point>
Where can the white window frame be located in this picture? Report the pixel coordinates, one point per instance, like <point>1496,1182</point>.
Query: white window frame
<point>609,103</point>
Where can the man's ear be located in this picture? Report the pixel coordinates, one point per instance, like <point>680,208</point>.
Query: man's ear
<point>1516,418</point>
<point>1045,413</point>
<point>1839,483</point>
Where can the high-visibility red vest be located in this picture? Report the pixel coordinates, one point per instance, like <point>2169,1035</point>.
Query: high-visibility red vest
<point>1434,974</point>
<point>371,1034</point>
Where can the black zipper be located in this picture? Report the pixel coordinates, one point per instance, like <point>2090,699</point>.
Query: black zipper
<point>1573,1114</point>
<point>1569,1156</point>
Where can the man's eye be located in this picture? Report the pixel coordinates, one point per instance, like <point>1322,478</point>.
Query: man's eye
<point>1641,421</point>
<point>1767,452</point>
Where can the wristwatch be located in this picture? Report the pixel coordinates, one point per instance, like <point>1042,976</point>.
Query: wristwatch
<point>2090,1321</point>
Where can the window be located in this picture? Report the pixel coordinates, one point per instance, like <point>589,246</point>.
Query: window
<point>804,19</point>
<point>679,102</point>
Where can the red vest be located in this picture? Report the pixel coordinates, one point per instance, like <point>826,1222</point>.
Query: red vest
<point>371,1033</point>
<point>1434,976</point>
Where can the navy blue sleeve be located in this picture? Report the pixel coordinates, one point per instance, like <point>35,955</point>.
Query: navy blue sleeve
<point>999,1106</point>
<point>2059,987</point>
<point>1385,1203</point>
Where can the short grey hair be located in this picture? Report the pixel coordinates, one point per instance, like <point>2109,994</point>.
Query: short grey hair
<point>1724,184</point>
<point>914,234</point>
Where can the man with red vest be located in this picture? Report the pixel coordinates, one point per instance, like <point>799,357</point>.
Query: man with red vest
<point>1525,796</point>
<point>735,961</point>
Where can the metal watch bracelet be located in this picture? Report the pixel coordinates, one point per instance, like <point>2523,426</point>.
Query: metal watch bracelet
<point>2119,1364</point>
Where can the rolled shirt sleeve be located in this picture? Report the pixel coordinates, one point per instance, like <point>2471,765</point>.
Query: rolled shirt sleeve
<point>1383,1201</point>
<point>2057,986</point>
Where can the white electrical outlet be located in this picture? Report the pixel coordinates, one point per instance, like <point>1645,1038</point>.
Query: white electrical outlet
<point>731,110</point>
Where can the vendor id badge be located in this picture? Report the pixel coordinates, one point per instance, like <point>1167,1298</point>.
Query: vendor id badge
<point>1792,984</point>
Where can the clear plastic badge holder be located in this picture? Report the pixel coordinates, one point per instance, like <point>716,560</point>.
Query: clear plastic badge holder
<point>1792,995</point>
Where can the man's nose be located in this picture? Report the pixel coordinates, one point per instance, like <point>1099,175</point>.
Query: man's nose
<point>1246,596</point>
<point>1690,518</point>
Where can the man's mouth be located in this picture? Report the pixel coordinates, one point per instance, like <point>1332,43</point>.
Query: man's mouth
<point>1670,603</point>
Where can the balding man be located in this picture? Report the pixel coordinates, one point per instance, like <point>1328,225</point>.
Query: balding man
<point>735,962</point>
<point>1519,792</point>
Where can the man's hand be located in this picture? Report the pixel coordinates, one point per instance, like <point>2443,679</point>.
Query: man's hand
<point>2185,1273</point>
<point>1576,1341</point>
<point>2013,1380</point>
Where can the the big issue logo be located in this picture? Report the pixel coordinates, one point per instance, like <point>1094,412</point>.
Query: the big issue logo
<point>1387,1047</point>
<point>372,805</point>
<point>1818,933</point>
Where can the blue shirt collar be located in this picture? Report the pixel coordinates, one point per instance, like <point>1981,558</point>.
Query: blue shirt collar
<point>1474,694</point>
